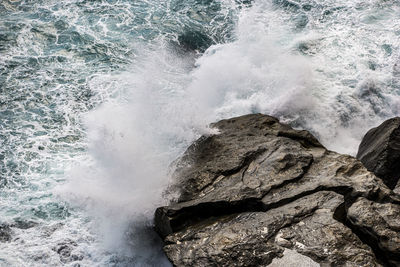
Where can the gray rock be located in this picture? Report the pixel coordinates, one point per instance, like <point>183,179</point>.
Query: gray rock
<point>23,224</point>
<point>260,188</point>
<point>241,141</point>
<point>5,233</point>
<point>379,151</point>
<point>397,188</point>
<point>256,238</point>
<point>379,222</point>
<point>7,230</point>
<point>66,252</point>
<point>293,259</point>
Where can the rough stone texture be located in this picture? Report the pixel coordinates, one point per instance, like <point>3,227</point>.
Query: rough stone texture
<point>293,259</point>
<point>381,222</point>
<point>65,250</point>
<point>7,230</point>
<point>379,151</point>
<point>397,188</point>
<point>5,233</point>
<point>255,238</point>
<point>259,188</point>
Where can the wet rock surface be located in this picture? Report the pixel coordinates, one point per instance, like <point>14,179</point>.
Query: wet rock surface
<point>259,191</point>
<point>66,251</point>
<point>381,223</point>
<point>5,233</point>
<point>7,229</point>
<point>379,151</point>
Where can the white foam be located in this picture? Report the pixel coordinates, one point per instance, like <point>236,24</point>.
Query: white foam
<point>162,104</point>
<point>133,139</point>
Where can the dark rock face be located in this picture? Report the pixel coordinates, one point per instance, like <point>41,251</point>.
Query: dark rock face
<point>5,233</point>
<point>66,251</point>
<point>193,40</point>
<point>379,151</point>
<point>381,222</point>
<point>260,190</point>
<point>7,230</point>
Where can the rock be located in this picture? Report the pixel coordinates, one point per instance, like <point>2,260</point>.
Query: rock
<point>256,238</point>
<point>66,252</point>
<point>397,188</point>
<point>379,151</point>
<point>7,230</point>
<point>194,40</point>
<point>23,224</point>
<point>225,154</point>
<point>293,259</point>
<point>5,233</point>
<point>259,191</point>
<point>380,222</point>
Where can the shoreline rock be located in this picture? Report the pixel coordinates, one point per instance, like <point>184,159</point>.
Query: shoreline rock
<point>260,189</point>
<point>379,151</point>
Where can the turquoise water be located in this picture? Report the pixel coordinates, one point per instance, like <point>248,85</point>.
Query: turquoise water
<point>97,98</point>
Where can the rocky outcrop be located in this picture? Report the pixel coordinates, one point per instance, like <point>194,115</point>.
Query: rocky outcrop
<point>7,230</point>
<point>260,192</point>
<point>381,222</point>
<point>379,151</point>
<point>5,233</point>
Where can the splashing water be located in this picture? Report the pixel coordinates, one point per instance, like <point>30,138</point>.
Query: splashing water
<point>98,98</point>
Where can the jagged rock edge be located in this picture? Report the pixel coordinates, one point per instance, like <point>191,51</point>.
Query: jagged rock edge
<point>220,209</point>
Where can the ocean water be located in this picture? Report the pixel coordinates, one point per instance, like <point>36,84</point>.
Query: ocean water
<point>97,98</point>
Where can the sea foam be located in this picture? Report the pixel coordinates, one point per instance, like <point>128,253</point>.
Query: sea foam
<point>326,72</point>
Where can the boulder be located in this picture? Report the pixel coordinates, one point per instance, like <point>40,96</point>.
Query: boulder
<point>256,238</point>
<point>5,233</point>
<point>379,151</point>
<point>260,193</point>
<point>381,222</point>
